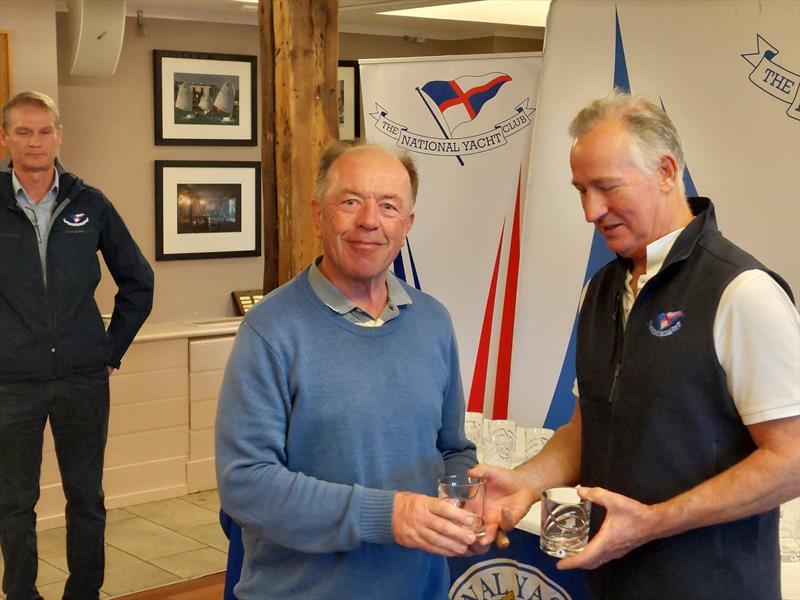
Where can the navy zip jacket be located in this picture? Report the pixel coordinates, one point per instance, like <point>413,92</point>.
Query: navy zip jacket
<point>55,331</point>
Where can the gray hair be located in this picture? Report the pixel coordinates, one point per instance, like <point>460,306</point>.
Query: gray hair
<point>335,150</point>
<point>653,133</point>
<point>31,98</point>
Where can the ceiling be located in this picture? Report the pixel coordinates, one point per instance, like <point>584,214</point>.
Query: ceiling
<point>355,16</point>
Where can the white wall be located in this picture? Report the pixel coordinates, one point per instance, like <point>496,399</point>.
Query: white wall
<point>32,25</point>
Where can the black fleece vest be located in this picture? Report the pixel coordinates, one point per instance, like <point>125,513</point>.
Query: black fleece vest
<point>657,419</point>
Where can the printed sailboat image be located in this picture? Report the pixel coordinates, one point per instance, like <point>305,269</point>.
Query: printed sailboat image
<point>226,99</point>
<point>206,103</point>
<point>184,100</point>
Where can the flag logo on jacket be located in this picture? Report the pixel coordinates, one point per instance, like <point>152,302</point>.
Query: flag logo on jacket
<point>666,323</point>
<point>460,100</point>
<point>76,219</point>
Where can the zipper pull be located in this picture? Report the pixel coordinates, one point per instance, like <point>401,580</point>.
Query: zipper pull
<point>35,222</point>
<point>614,383</point>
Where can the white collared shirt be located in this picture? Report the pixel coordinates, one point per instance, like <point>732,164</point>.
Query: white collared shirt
<point>38,213</point>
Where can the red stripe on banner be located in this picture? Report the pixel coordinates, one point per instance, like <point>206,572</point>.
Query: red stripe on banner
<point>477,391</point>
<point>503,377</point>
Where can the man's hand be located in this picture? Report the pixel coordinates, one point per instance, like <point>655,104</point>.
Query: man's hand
<point>431,524</point>
<point>628,525</point>
<point>508,499</point>
<point>110,370</point>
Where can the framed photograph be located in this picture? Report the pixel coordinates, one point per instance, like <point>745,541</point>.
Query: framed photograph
<point>207,209</point>
<point>204,99</point>
<point>349,101</point>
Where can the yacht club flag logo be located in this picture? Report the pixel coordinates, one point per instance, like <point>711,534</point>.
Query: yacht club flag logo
<point>451,104</point>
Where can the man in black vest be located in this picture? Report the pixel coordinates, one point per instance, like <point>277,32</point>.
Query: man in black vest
<point>686,429</point>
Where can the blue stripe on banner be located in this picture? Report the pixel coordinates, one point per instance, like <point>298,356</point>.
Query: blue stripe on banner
<point>688,184</point>
<point>399,268</point>
<point>563,402</point>
<point>413,265</point>
<point>621,80</point>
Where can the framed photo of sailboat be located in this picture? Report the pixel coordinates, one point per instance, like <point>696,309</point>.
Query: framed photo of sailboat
<point>207,209</point>
<point>204,99</point>
<point>349,104</point>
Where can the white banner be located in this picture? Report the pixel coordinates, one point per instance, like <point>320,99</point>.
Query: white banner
<point>726,72</point>
<point>467,121</point>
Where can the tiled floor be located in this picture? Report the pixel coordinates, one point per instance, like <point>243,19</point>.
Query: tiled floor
<point>147,545</point>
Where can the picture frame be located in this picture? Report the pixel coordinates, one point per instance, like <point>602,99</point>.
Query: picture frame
<point>207,209</point>
<point>204,99</point>
<point>349,100</point>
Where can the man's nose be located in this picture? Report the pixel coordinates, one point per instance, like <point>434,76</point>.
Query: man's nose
<point>367,216</point>
<point>594,206</point>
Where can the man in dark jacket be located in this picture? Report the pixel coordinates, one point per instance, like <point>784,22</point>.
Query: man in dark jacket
<point>686,426</point>
<point>55,354</point>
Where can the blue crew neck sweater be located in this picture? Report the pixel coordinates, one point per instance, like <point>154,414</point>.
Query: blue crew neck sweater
<point>320,421</point>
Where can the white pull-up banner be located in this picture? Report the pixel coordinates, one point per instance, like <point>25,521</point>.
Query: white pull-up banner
<point>467,122</point>
<point>727,74</point>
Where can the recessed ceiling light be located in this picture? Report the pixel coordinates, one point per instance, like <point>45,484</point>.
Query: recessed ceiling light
<point>530,13</point>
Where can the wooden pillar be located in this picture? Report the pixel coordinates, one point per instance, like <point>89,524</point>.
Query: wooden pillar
<point>5,75</point>
<point>299,54</point>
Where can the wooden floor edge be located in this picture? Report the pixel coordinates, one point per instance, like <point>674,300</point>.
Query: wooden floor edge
<point>207,587</point>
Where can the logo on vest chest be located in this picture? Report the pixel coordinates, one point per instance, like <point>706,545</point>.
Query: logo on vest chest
<point>666,323</point>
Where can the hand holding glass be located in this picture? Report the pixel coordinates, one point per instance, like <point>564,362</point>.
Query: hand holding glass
<point>565,522</point>
<point>468,493</point>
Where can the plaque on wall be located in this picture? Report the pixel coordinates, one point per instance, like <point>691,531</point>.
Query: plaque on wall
<point>245,300</point>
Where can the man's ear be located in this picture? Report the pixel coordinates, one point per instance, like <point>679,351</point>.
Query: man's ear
<point>668,171</point>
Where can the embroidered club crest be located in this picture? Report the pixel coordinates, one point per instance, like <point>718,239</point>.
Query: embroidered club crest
<point>76,219</point>
<point>666,323</point>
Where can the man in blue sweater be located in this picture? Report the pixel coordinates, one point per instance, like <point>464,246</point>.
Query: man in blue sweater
<point>342,405</point>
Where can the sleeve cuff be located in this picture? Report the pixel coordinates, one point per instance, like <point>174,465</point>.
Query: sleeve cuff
<point>376,516</point>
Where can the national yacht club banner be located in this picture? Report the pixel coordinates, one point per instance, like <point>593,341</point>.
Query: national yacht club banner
<point>467,121</point>
<point>727,74</point>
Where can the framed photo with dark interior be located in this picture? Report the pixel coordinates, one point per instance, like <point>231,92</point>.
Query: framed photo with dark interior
<point>349,101</point>
<point>204,99</point>
<point>207,209</point>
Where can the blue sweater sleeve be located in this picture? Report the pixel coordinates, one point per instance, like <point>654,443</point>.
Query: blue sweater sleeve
<point>256,488</point>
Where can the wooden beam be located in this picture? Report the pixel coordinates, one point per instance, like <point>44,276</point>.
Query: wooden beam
<point>5,75</point>
<point>269,211</point>
<point>305,49</point>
